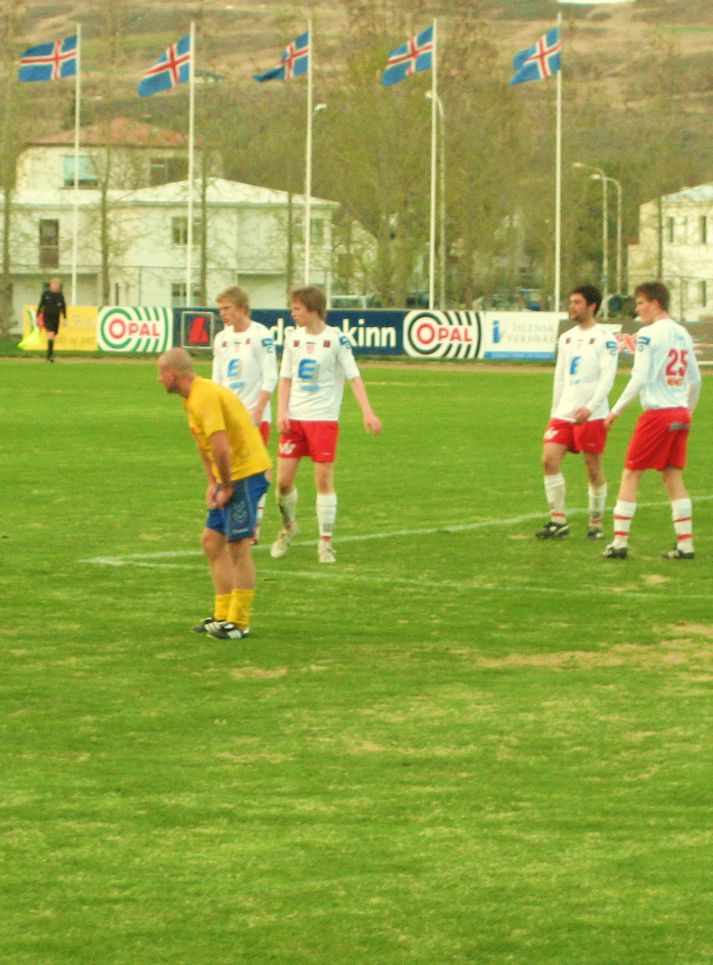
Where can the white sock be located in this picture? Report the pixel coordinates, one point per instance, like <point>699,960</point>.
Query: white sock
<point>555,492</point>
<point>597,503</point>
<point>623,515</point>
<point>260,510</point>
<point>326,514</point>
<point>682,513</point>
<point>288,507</point>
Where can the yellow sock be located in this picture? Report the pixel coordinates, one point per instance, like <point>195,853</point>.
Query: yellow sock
<point>241,603</point>
<point>222,605</point>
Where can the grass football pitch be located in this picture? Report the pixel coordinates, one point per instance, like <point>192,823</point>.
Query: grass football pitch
<point>459,744</point>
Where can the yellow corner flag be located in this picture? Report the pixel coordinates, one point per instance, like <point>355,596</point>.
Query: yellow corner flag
<point>33,341</point>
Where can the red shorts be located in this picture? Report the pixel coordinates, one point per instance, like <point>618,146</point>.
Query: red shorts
<point>588,436</point>
<point>318,440</point>
<point>659,440</point>
<point>264,430</point>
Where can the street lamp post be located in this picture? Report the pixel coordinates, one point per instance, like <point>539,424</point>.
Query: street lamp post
<point>619,246</point>
<point>600,175</point>
<point>442,213</point>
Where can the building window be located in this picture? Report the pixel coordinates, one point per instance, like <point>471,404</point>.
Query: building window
<point>87,176</point>
<point>670,230</point>
<point>163,170</point>
<point>703,229</point>
<point>49,243</point>
<point>317,231</point>
<point>179,231</point>
<point>178,295</point>
<point>703,294</point>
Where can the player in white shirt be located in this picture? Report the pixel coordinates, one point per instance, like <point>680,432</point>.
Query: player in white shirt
<point>244,357</point>
<point>316,361</point>
<point>587,357</point>
<point>667,380</point>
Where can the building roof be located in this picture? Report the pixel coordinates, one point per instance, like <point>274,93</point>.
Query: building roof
<point>123,132</point>
<point>702,192</point>
<point>220,191</point>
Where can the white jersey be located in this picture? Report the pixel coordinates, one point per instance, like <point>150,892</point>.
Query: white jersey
<point>665,373</point>
<point>244,362</point>
<point>585,372</point>
<point>317,366</point>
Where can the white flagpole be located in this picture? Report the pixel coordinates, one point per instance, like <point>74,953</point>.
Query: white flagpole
<point>434,120</point>
<point>75,196</point>
<point>558,179</point>
<point>191,140</point>
<point>308,160</point>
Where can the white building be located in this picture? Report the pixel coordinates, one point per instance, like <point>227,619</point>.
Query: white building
<point>132,217</point>
<point>683,232</point>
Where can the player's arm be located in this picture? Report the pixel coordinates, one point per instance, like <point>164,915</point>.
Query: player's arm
<point>212,483</point>
<point>558,380</point>
<point>283,400</point>
<point>284,388</point>
<point>693,379</point>
<point>372,423</point>
<point>215,373</point>
<point>639,373</point>
<point>265,352</point>
<point>62,306</point>
<point>222,456</point>
<point>608,355</point>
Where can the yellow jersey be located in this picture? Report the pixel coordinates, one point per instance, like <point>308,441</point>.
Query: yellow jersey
<point>212,408</point>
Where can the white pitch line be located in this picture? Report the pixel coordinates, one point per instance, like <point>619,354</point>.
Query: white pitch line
<point>141,559</point>
<point>161,559</point>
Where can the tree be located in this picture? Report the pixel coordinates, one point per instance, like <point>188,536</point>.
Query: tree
<point>11,20</point>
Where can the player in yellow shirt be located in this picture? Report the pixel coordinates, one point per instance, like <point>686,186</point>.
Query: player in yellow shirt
<point>235,461</point>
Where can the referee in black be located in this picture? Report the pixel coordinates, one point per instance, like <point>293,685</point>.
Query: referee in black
<point>52,307</point>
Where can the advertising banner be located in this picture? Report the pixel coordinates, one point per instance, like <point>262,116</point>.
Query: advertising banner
<point>420,333</point>
<point>442,335</point>
<point>519,335</point>
<point>373,332</point>
<point>77,334</point>
<point>135,329</point>
<point>195,328</point>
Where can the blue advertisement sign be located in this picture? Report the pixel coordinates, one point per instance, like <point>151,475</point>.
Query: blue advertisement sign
<point>388,333</point>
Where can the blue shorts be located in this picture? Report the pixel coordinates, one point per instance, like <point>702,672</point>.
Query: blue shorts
<point>237,520</point>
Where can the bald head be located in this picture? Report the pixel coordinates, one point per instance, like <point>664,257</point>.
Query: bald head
<point>177,359</point>
<point>175,371</point>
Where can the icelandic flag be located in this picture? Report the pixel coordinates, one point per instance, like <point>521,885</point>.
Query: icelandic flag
<point>171,69</point>
<point>50,61</point>
<point>416,54</point>
<point>542,60</point>
<point>293,63</point>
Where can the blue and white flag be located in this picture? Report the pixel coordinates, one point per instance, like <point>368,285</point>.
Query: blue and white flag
<point>540,61</point>
<point>416,54</point>
<point>171,69</point>
<point>50,61</point>
<point>293,63</point>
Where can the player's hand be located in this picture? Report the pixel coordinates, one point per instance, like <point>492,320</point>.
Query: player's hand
<point>581,415</point>
<point>608,420</point>
<point>210,497</point>
<point>223,494</point>
<point>283,424</point>
<point>372,424</point>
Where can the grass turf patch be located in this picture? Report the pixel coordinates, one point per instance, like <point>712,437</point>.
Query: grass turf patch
<point>458,744</point>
